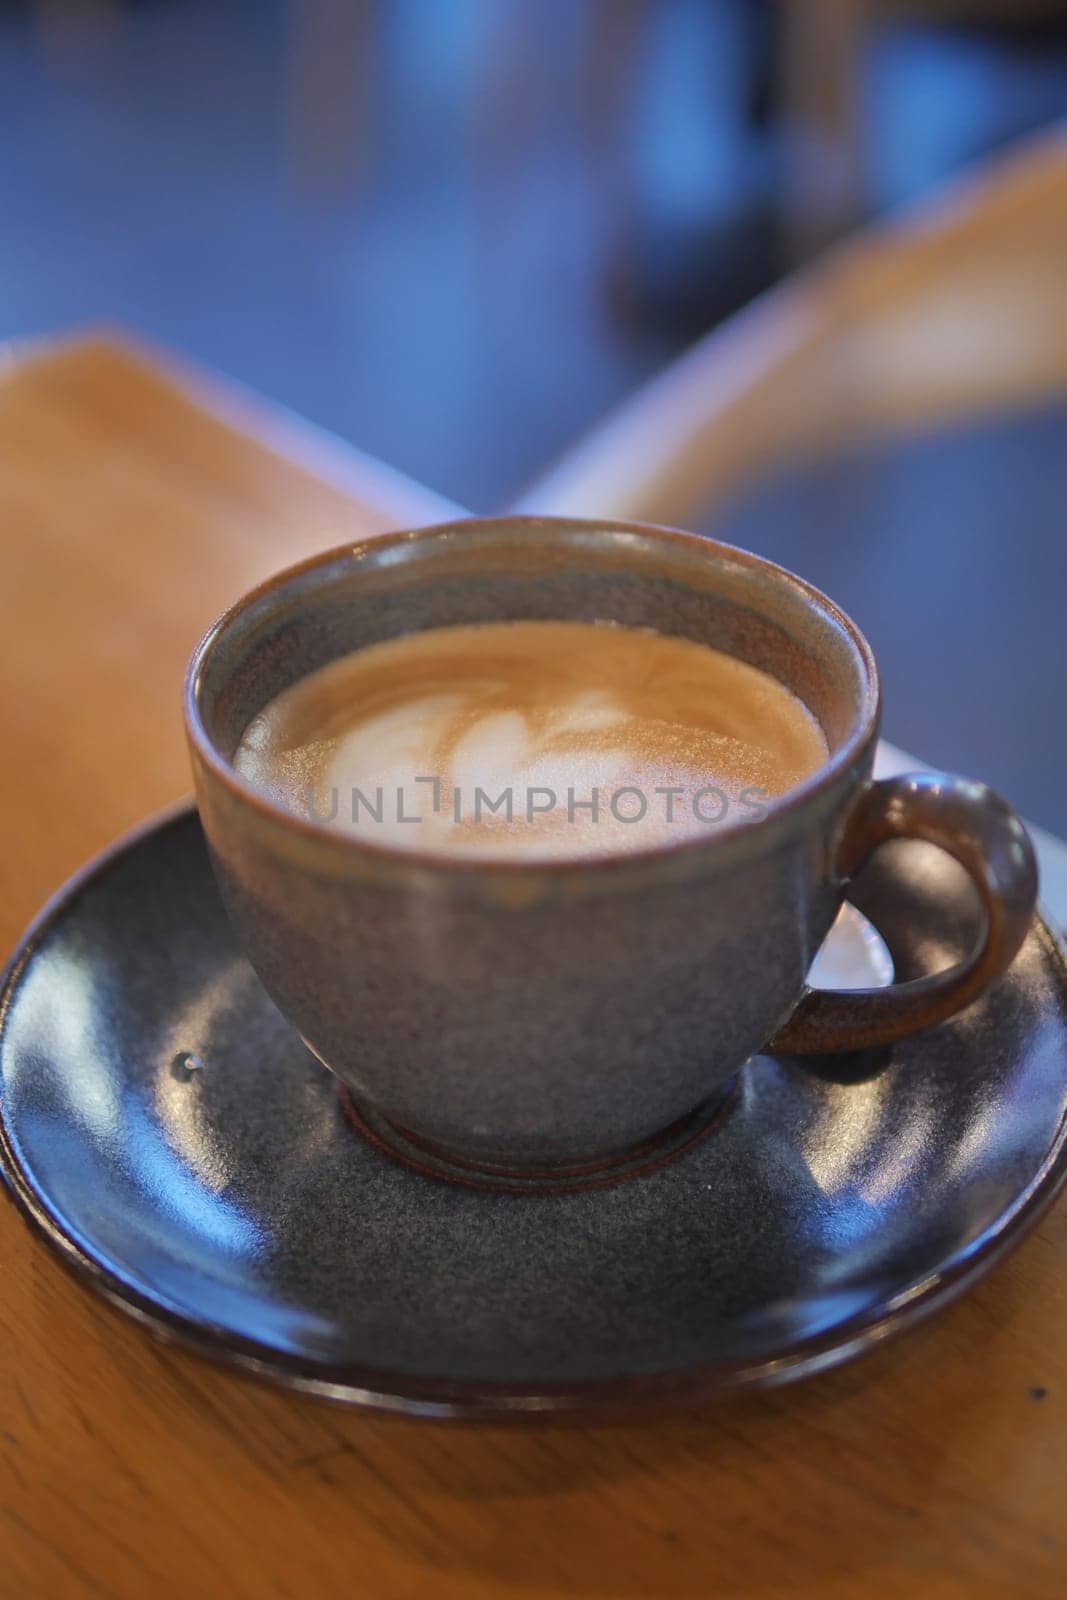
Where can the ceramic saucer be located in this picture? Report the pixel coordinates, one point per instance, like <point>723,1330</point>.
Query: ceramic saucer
<point>171,1138</point>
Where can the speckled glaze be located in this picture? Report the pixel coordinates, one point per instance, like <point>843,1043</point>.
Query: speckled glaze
<point>229,1204</point>
<point>525,1014</point>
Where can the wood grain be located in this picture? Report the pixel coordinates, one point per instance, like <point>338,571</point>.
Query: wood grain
<point>128,516</point>
<point>958,309</point>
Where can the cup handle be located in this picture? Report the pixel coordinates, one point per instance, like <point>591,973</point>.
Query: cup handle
<point>985,836</point>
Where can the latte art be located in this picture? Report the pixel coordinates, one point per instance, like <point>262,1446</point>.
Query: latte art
<point>532,739</point>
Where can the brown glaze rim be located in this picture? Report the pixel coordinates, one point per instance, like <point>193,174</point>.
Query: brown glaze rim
<point>861,735</point>
<point>434,1161</point>
<point>448,1400</point>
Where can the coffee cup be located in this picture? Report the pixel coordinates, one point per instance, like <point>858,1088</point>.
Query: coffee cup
<point>518,1015</point>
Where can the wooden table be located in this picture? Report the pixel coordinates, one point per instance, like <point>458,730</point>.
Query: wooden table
<point>129,514</point>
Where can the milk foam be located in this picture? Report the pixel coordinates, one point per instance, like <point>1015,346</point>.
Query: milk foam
<point>532,739</point>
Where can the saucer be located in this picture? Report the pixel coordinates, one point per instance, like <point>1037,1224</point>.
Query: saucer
<point>180,1148</point>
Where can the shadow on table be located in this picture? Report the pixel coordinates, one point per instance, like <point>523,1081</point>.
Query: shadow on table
<point>875,1471</point>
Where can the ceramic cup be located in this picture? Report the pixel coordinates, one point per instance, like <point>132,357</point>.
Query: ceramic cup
<point>523,1015</point>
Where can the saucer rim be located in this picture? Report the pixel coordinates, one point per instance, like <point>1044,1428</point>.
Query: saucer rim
<point>398,1394</point>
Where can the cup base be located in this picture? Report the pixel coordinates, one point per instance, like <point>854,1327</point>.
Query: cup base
<point>436,1161</point>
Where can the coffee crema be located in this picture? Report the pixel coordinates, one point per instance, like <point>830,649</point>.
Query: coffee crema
<point>532,740</point>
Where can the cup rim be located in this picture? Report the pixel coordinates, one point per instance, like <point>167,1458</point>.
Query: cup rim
<point>781,808</point>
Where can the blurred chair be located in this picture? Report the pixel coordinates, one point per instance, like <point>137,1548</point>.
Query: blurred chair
<point>958,309</point>
<point>824,49</point>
